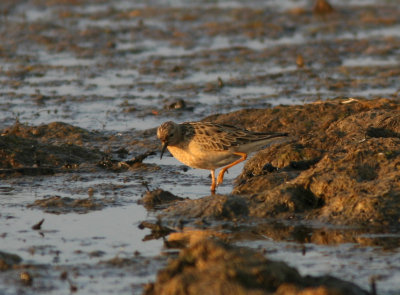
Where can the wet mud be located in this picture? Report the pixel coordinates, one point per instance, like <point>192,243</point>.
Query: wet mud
<point>8,260</point>
<point>88,207</point>
<point>58,205</point>
<point>157,199</point>
<point>213,267</point>
<point>53,146</point>
<point>341,166</point>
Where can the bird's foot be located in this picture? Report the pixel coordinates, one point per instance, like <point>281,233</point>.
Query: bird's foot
<point>220,178</point>
<point>212,188</point>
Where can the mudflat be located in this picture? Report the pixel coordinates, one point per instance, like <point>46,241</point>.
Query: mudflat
<point>88,207</point>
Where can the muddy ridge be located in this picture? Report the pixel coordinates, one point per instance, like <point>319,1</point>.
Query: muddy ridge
<point>212,267</point>
<point>341,165</point>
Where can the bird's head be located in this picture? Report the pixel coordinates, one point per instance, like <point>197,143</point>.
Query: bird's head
<point>169,134</point>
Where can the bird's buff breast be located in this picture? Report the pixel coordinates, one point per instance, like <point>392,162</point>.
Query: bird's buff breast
<point>198,158</point>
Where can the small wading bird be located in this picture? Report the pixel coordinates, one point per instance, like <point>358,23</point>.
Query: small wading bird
<point>210,146</point>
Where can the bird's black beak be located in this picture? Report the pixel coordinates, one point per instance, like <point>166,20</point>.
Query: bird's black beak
<point>165,144</point>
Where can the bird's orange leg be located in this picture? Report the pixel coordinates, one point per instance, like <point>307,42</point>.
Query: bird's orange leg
<point>213,185</point>
<point>223,170</point>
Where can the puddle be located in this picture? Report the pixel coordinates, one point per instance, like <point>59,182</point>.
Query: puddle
<point>64,60</point>
<point>202,77</point>
<point>393,31</point>
<point>252,91</point>
<point>70,239</point>
<point>193,183</point>
<point>359,262</point>
<point>371,93</point>
<point>370,61</point>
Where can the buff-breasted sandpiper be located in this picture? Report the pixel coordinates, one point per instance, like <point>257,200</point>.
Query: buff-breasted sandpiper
<point>210,146</point>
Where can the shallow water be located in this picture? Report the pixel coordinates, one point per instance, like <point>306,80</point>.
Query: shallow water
<point>90,65</point>
<point>347,261</point>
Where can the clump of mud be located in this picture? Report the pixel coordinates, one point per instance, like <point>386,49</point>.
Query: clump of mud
<point>214,206</point>
<point>55,132</point>
<point>8,260</point>
<point>157,199</point>
<point>340,166</point>
<point>59,205</point>
<point>54,145</point>
<point>212,267</point>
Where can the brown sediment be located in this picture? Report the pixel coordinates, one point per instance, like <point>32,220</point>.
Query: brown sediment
<point>60,205</point>
<point>340,166</point>
<point>59,147</point>
<point>158,199</point>
<point>40,150</point>
<point>8,260</point>
<point>212,267</point>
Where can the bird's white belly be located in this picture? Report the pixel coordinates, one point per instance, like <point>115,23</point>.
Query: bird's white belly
<point>203,159</point>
